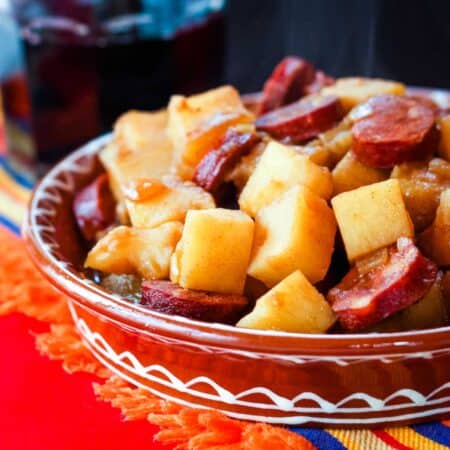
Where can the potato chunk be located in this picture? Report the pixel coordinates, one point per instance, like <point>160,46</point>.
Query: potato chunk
<point>293,305</point>
<point>145,252</point>
<point>372,217</point>
<point>279,169</point>
<point>430,311</point>
<point>141,148</point>
<point>354,90</point>
<point>296,231</point>
<point>214,251</point>
<point>421,183</point>
<point>444,145</point>
<point>197,123</point>
<point>245,167</point>
<point>151,202</point>
<point>435,240</point>
<point>350,174</point>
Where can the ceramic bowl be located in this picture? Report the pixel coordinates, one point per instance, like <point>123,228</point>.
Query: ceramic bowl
<point>359,380</point>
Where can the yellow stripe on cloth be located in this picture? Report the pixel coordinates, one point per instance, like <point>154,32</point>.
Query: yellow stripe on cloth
<point>13,189</point>
<point>11,209</point>
<point>359,440</point>
<point>410,438</point>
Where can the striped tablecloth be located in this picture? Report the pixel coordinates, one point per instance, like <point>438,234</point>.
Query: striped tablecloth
<point>14,193</point>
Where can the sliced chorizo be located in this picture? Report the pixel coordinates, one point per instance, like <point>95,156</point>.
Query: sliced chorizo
<point>302,120</point>
<point>321,80</point>
<point>394,129</point>
<point>170,298</point>
<point>94,208</point>
<point>287,83</point>
<point>363,299</point>
<point>215,165</point>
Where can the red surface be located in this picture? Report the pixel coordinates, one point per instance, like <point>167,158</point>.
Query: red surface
<point>43,407</point>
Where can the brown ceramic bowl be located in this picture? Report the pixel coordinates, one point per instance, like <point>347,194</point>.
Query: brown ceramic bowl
<point>324,380</point>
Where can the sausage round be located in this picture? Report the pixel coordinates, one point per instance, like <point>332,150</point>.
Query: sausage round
<point>170,298</point>
<point>303,119</point>
<point>364,299</point>
<point>392,130</point>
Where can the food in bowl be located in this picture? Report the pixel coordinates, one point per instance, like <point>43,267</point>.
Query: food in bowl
<point>317,206</point>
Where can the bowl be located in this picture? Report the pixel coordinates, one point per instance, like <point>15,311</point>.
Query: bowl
<point>353,380</point>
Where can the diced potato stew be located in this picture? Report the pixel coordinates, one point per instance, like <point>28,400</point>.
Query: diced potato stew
<point>251,217</point>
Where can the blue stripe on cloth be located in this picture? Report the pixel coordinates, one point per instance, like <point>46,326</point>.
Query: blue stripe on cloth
<point>434,431</point>
<point>321,439</point>
<point>16,176</point>
<point>10,225</point>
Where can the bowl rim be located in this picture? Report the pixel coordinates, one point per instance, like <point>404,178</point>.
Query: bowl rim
<point>88,294</point>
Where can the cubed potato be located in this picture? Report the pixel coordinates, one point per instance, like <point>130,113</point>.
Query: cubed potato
<point>336,141</point>
<point>279,169</point>
<point>354,90</point>
<point>151,202</point>
<point>421,183</point>
<point>350,174</point>
<point>241,172</point>
<point>430,311</point>
<point>197,123</point>
<point>435,240</point>
<point>372,217</point>
<point>444,144</point>
<point>140,149</point>
<point>214,251</point>
<point>295,232</point>
<point>315,152</point>
<point>293,305</point>
<point>145,252</point>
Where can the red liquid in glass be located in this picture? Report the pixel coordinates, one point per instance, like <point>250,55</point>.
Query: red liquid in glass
<point>78,86</point>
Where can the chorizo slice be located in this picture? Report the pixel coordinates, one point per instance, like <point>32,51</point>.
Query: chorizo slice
<point>94,208</point>
<point>215,165</point>
<point>363,298</point>
<point>170,298</point>
<point>302,120</point>
<point>286,83</point>
<point>321,80</point>
<point>394,129</point>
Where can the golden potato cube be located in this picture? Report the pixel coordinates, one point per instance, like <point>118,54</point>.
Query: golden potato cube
<point>435,240</point>
<point>140,149</point>
<point>372,217</point>
<point>197,123</point>
<point>428,312</point>
<point>293,305</point>
<point>280,168</point>
<point>241,172</point>
<point>354,90</point>
<point>214,251</point>
<point>350,174</point>
<point>151,202</point>
<point>145,252</point>
<point>295,232</point>
<point>336,141</point>
<point>422,182</point>
<point>444,144</point>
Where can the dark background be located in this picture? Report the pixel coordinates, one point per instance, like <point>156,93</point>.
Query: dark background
<point>408,40</point>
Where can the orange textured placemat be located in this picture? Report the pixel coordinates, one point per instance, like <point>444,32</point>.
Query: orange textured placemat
<point>23,289</point>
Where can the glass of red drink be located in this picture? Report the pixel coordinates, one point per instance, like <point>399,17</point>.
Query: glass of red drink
<point>88,61</point>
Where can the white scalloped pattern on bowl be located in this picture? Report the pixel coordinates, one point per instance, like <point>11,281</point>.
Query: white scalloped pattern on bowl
<point>159,375</point>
